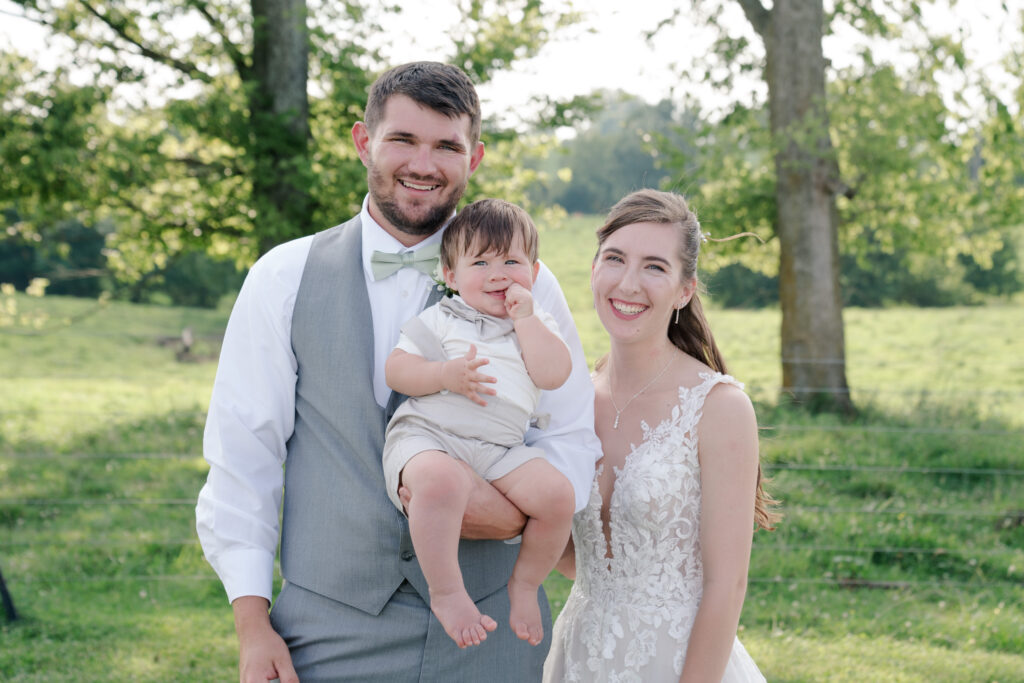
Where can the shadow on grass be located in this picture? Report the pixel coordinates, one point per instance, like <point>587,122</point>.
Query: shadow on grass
<point>172,432</point>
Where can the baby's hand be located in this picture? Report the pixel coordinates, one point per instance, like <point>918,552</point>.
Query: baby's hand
<point>460,375</point>
<point>518,301</point>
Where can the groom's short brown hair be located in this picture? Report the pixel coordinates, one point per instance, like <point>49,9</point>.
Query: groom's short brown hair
<point>442,87</point>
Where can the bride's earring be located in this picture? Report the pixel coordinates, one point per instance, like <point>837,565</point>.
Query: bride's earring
<point>677,314</point>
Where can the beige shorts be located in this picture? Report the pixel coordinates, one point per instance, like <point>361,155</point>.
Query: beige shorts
<point>411,433</point>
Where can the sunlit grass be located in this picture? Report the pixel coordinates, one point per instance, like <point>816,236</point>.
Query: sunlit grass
<point>133,634</point>
<point>100,441</point>
<point>878,658</point>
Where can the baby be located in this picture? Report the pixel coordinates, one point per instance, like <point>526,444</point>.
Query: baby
<point>489,256</point>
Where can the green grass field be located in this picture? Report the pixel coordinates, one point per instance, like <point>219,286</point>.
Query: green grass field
<point>899,558</point>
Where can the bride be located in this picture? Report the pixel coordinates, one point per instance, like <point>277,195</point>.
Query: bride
<point>660,554</point>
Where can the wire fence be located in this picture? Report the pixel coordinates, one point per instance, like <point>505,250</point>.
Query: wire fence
<point>15,541</point>
<point>751,387</point>
<point>37,541</point>
<point>767,430</point>
<point>49,543</point>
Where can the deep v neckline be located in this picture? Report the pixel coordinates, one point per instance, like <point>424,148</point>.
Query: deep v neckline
<point>660,431</point>
<point>630,616</point>
<point>608,530</point>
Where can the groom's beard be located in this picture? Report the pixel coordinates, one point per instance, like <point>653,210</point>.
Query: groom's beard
<point>381,189</point>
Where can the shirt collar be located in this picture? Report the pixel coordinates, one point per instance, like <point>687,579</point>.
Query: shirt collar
<point>376,238</point>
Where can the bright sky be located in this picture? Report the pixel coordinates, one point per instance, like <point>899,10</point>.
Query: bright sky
<point>607,50</point>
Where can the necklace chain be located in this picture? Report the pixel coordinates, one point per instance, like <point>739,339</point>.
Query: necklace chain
<point>611,391</point>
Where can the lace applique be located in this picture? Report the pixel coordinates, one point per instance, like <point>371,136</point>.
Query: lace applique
<point>628,608</point>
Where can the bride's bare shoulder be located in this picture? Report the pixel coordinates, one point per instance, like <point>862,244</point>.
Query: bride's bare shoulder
<point>727,405</point>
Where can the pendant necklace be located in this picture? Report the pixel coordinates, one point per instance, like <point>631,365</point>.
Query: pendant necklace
<point>611,392</point>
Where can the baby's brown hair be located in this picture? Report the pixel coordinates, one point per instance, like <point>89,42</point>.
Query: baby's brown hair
<point>493,225</point>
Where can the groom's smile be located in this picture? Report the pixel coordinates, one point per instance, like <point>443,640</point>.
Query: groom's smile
<point>419,163</point>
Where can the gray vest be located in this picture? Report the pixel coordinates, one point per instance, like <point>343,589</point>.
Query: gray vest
<point>341,537</point>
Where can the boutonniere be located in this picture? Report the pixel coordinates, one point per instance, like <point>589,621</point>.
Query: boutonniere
<point>441,285</point>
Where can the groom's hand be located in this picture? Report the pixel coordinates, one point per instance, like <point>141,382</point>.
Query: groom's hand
<point>489,515</point>
<point>262,653</point>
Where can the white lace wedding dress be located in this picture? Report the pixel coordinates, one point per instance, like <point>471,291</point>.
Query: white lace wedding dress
<point>628,617</point>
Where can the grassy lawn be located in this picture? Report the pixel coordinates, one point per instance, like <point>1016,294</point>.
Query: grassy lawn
<point>899,557</point>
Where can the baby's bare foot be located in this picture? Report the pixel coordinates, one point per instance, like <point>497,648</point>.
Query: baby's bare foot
<point>524,617</point>
<point>461,619</point>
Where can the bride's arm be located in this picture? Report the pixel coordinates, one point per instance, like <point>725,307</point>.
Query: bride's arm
<point>728,452</point>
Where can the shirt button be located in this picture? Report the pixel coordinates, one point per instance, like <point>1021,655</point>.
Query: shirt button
<point>407,555</point>
<point>405,293</point>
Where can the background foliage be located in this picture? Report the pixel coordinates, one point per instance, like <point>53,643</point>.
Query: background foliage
<point>104,190</point>
<point>167,154</point>
<point>898,559</point>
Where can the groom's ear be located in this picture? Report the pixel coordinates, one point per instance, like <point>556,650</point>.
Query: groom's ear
<point>361,139</point>
<point>476,156</point>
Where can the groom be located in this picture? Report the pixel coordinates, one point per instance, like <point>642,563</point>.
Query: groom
<point>300,404</point>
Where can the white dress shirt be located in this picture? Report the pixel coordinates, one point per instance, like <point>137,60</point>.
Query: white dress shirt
<point>252,407</point>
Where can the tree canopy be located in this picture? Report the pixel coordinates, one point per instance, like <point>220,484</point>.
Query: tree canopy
<point>217,126</point>
<point>878,160</point>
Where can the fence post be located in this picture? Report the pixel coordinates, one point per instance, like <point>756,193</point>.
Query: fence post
<point>12,614</point>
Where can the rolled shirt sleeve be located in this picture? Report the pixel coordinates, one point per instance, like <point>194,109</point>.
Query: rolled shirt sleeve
<point>251,418</point>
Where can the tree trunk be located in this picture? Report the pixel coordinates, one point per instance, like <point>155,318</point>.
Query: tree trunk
<point>813,350</point>
<point>8,602</point>
<point>279,116</point>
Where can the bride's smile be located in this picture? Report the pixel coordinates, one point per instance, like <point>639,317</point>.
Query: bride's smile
<point>638,282</point>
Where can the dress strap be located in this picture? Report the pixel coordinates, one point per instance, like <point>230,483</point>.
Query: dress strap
<point>691,399</point>
<point>713,379</point>
<point>710,381</point>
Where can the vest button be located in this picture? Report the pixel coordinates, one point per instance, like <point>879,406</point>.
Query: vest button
<point>407,555</point>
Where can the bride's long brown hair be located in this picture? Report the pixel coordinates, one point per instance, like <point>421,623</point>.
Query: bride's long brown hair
<point>689,331</point>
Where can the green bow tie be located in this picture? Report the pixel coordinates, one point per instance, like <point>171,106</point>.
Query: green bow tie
<point>383,264</point>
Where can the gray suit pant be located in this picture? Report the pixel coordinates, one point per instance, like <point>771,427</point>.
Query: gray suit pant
<point>405,643</point>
